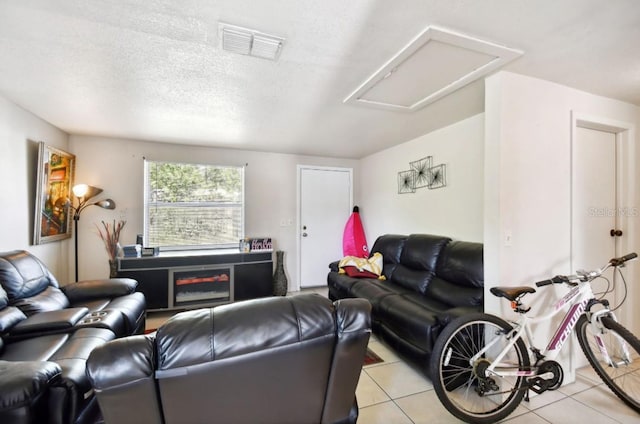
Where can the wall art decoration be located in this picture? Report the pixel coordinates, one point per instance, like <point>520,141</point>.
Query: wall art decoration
<point>438,176</point>
<point>422,174</point>
<point>52,218</point>
<point>421,168</point>
<point>406,182</point>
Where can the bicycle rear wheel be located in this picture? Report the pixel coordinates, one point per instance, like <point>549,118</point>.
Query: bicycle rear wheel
<point>623,378</point>
<point>461,384</point>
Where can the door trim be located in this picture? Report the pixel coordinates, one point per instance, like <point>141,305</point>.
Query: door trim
<point>625,191</point>
<point>625,138</point>
<point>299,170</point>
<point>626,198</point>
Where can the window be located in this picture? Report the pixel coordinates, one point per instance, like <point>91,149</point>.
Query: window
<point>191,206</point>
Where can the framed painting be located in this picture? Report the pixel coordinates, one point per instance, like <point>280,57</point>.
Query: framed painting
<point>53,215</point>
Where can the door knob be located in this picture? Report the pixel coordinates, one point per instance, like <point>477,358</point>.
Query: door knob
<point>615,233</point>
<point>304,234</point>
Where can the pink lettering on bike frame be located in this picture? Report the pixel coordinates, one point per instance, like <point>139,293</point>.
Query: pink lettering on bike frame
<point>570,320</point>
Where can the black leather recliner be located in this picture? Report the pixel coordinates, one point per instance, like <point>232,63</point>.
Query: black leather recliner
<point>47,333</point>
<point>273,360</point>
<point>33,289</point>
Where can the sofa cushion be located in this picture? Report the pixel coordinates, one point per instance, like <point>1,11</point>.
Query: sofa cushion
<point>39,348</point>
<point>25,384</point>
<point>412,279</point>
<point>99,289</point>
<point>390,246</point>
<point>453,294</point>
<point>421,251</point>
<point>50,299</point>
<point>418,261</point>
<point>462,263</point>
<point>342,283</point>
<point>199,336</point>
<point>23,275</point>
<point>9,317</point>
<point>4,298</point>
<point>375,290</point>
<point>412,317</point>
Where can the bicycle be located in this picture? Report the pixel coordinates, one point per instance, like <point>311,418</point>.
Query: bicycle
<point>483,366</point>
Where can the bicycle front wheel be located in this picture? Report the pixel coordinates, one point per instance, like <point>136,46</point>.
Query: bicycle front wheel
<point>623,375</point>
<point>463,384</point>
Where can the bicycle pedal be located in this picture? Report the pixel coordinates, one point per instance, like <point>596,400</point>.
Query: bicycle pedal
<point>538,385</point>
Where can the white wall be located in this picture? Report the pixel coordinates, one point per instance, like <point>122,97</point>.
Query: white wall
<point>528,175</point>
<point>455,210</point>
<point>20,132</point>
<point>116,165</point>
<point>528,187</point>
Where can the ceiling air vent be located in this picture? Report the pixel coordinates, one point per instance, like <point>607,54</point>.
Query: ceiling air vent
<point>436,63</point>
<point>250,42</point>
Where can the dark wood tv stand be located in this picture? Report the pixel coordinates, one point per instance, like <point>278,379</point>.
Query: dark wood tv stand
<point>247,275</point>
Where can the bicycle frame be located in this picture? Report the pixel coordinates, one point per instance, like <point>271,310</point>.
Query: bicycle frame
<point>483,367</point>
<point>578,298</point>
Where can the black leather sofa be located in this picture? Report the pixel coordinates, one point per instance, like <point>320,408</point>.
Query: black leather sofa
<point>274,360</point>
<point>47,333</point>
<point>430,280</point>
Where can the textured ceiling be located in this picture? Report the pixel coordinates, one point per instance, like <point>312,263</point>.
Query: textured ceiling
<point>154,70</point>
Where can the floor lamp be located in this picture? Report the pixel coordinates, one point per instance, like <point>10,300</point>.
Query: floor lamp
<point>83,194</point>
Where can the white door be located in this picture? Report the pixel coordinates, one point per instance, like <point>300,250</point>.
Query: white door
<point>603,200</point>
<point>600,205</point>
<point>594,206</point>
<point>325,199</point>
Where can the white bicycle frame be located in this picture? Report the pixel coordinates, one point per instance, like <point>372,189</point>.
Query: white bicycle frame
<point>578,298</point>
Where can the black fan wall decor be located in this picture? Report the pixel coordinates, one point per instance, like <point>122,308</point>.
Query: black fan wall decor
<point>422,174</point>
<point>438,176</point>
<point>421,168</point>
<point>406,182</point>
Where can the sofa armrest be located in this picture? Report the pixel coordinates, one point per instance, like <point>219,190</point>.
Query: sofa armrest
<point>24,390</point>
<point>49,322</point>
<point>353,321</point>
<point>449,315</point>
<point>122,370</point>
<point>333,266</point>
<point>96,289</point>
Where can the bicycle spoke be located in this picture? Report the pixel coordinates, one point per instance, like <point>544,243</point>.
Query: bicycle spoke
<point>463,385</point>
<point>623,377</point>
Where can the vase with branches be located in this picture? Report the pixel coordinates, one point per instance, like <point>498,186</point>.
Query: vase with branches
<point>110,235</point>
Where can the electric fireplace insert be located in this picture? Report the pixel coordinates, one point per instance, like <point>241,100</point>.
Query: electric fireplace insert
<point>202,286</point>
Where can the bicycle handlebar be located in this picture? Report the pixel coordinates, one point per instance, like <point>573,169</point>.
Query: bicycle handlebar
<point>559,279</point>
<point>623,259</point>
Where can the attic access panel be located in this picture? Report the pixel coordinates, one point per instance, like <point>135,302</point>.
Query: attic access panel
<point>433,65</point>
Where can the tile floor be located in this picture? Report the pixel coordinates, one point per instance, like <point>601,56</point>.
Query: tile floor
<point>395,392</point>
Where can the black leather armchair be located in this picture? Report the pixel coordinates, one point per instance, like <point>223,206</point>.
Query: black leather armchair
<point>33,289</point>
<point>275,360</point>
<point>47,333</point>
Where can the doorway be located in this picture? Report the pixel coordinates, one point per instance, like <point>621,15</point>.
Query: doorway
<point>603,211</point>
<point>325,196</point>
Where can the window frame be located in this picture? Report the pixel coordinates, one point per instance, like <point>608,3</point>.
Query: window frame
<point>147,204</point>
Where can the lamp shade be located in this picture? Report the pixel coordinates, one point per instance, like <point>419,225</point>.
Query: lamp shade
<point>85,191</point>
<point>106,204</point>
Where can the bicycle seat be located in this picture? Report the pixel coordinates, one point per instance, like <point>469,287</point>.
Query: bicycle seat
<point>511,293</point>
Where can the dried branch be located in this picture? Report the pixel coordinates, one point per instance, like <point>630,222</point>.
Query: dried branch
<point>111,237</point>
